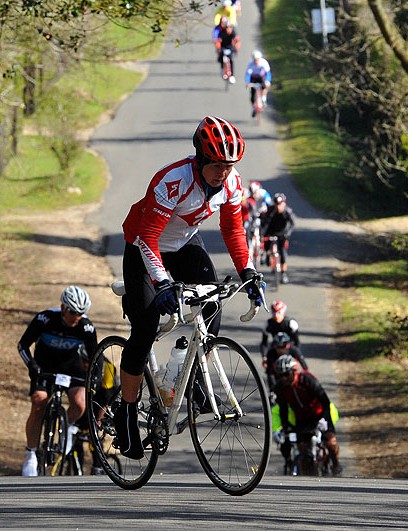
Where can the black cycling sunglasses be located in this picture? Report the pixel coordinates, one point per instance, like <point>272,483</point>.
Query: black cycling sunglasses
<point>72,312</point>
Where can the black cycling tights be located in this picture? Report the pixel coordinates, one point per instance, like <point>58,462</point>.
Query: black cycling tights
<point>190,264</point>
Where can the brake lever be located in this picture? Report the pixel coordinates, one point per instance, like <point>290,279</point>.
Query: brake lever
<point>179,288</point>
<point>261,285</point>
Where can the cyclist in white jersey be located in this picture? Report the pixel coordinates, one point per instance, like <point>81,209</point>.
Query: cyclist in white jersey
<point>162,235</point>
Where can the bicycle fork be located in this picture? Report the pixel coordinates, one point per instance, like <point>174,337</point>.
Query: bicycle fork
<point>215,359</point>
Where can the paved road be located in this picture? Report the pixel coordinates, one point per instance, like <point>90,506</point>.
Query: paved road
<point>180,502</point>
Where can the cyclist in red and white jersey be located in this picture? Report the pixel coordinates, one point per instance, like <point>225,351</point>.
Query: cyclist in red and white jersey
<point>261,196</point>
<point>162,237</point>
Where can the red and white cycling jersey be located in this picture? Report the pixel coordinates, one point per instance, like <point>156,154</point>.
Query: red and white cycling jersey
<point>173,209</point>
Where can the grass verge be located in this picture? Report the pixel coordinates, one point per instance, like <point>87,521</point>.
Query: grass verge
<point>373,299</point>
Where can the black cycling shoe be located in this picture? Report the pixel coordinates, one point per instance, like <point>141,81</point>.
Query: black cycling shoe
<point>337,470</point>
<point>127,431</point>
<point>202,400</point>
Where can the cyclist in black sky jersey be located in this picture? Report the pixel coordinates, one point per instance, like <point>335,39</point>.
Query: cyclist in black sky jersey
<point>58,334</point>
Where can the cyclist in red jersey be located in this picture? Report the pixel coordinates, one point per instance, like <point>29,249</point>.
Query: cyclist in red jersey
<point>304,394</point>
<point>162,234</point>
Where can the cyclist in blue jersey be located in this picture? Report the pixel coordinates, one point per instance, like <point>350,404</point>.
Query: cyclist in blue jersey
<point>258,70</point>
<point>58,335</point>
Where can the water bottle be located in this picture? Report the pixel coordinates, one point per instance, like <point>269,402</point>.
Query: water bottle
<point>176,360</point>
<point>153,362</point>
<point>166,394</point>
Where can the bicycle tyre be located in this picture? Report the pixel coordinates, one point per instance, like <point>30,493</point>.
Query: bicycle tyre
<point>256,249</point>
<point>131,474</point>
<point>258,106</point>
<point>226,71</point>
<point>275,274</point>
<point>115,463</point>
<point>54,441</point>
<point>72,465</point>
<point>324,463</point>
<point>234,452</point>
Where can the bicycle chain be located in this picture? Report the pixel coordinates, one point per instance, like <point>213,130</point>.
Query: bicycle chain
<point>158,431</point>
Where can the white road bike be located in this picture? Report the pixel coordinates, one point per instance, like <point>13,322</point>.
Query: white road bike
<point>231,440</point>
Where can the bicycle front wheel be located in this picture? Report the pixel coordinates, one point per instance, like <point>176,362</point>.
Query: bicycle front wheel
<point>54,440</point>
<point>233,449</point>
<point>103,397</point>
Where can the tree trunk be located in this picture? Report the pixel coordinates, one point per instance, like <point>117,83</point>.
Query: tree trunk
<point>390,32</point>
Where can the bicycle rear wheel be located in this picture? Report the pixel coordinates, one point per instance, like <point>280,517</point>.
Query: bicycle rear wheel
<point>233,450</point>
<point>275,268</point>
<point>101,405</point>
<point>54,441</point>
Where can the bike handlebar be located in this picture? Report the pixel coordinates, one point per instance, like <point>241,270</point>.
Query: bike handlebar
<point>53,376</point>
<point>194,295</point>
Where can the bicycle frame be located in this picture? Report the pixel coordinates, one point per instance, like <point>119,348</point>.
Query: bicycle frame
<point>230,428</point>
<point>196,345</point>
<point>54,406</point>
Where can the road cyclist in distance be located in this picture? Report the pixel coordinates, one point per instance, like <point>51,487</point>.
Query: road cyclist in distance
<point>58,335</point>
<point>162,237</point>
<point>252,226</point>
<point>300,391</point>
<point>279,221</point>
<point>281,344</point>
<point>227,45</point>
<point>261,196</point>
<point>227,9</point>
<point>258,71</point>
<point>279,322</point>
<point>238,7</point>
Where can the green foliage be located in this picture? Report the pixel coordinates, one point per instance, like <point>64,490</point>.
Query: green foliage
<point>31,180</point>
<point>376,312</point>
<point>315,153</point>
<point>49,164</point>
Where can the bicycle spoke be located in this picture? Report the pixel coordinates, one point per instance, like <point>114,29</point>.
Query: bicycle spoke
<point>127,473</point>
<point>233,449</point>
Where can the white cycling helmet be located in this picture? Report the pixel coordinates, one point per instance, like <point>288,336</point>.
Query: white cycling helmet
<point>76,299</point>
<point>285,364</point>
<point>257,54</point>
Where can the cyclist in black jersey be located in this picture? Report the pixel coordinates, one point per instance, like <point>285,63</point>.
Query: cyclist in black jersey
<point>58,334</point>
<point>281,345</point>
<point>279,221</point>
<point>279,322</point>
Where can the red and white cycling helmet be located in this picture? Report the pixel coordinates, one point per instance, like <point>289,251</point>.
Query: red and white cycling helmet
<point>219,140</point>
<point>278,306</point>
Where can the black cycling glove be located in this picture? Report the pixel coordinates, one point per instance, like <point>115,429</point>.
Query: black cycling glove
<point>251,288</point>
<point>34,370</point>
<point>165,300</point>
